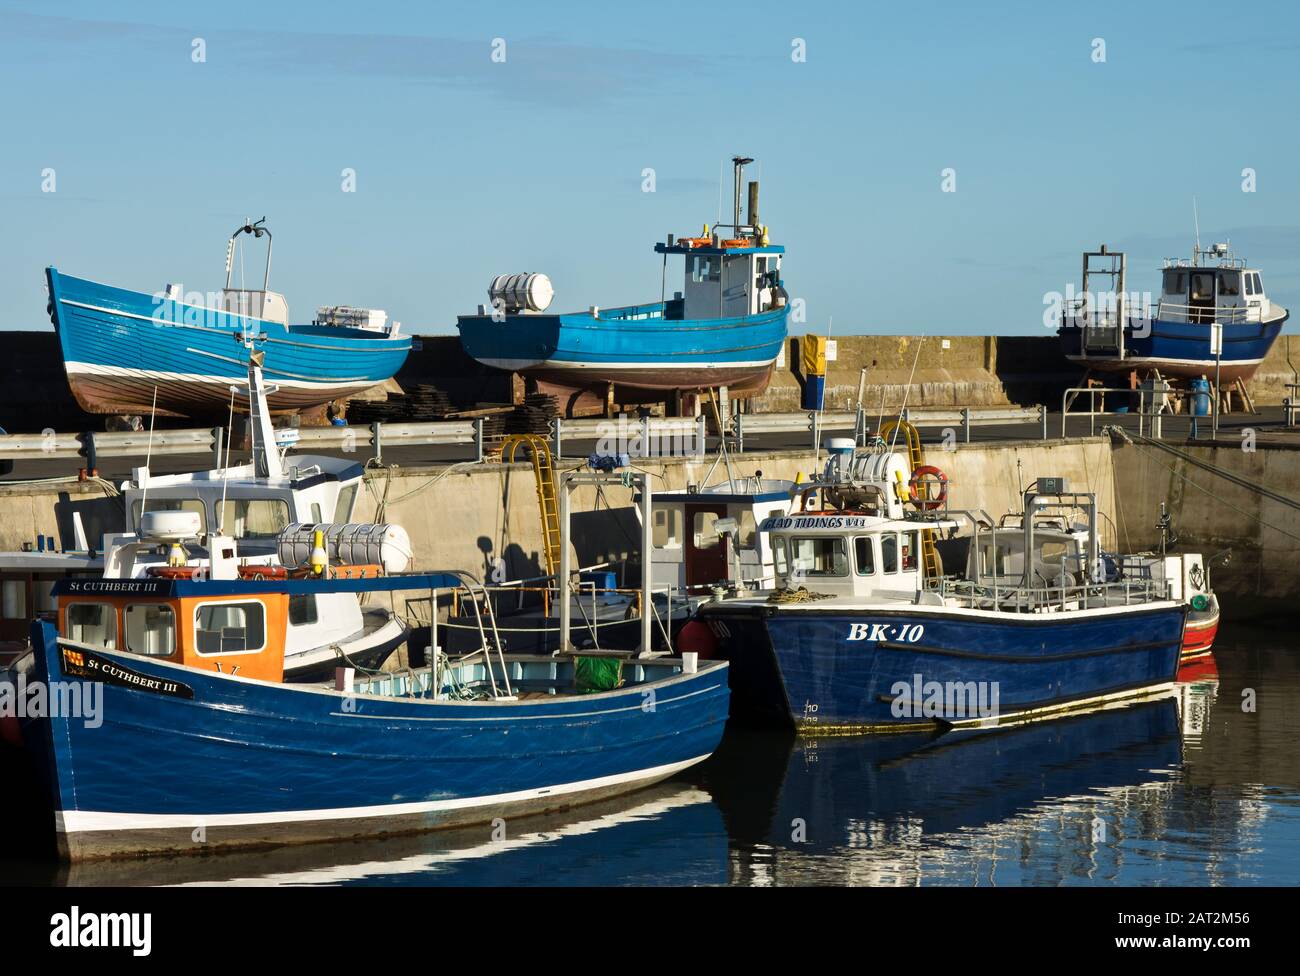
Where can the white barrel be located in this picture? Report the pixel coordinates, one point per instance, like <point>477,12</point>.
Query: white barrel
<point>530,291</point>
<point>353,544</point>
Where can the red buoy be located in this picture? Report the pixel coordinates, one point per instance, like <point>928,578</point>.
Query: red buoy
<point>695,637</point>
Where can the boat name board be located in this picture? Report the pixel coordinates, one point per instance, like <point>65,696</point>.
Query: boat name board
<point>904,633</point>
<point>84,664</point>
<point>819,522</point>
<point>134,587</point>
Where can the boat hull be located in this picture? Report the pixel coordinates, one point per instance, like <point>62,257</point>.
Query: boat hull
<point>1202,628</point>
<point>1182,349</point>
<point>228,762</point>
<point>840,671</point>
<point>635,349</point>
<point>120,346</point>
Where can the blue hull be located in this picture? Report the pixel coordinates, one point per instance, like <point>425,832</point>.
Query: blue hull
<point>635,348</point>
<point>800,667</point>
<point>1183,348</point>
<point>119,346</point>
<point>238,762</point>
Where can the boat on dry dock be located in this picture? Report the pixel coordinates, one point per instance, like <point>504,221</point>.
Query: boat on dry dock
<point>726,328</point>
<point>854,640</point>
<point>131,353</point>
<point>1174,336</point>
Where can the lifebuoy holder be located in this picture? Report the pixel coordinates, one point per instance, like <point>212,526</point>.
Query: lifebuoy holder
<point>928,474</point>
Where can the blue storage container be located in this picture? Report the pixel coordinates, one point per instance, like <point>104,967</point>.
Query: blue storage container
<point>1200,397</point>
<point>814,391</point>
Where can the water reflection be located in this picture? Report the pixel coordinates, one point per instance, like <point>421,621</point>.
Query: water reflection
<point>1196,788</point>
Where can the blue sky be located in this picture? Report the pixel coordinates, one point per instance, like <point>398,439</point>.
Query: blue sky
<point>466,168</point>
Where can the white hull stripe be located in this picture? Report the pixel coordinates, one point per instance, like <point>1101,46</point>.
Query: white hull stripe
<point>115,372</point>
<point>1166,359</point>
<point>560,364</point>
<point>81,821</point>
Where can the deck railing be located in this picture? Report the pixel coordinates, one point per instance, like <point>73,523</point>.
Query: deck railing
<point>1050,599</point>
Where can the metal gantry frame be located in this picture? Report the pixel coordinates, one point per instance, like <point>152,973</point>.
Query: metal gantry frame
<point>641,483</point>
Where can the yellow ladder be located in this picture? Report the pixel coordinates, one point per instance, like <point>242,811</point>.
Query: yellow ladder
<point>544,471</point>
<point>932,567</point>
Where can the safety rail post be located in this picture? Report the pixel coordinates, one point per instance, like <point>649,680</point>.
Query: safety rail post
<point>1042,418</point>
<point>218,436</point>
<point>965,424</point>
<point>478,438</point>
<point>701,436</point>
<point>860,427</point>
<point>740,434</point>
<point>645,437</point>
<point>557,436</point>
<point>375,441</point>
<point>89,453</point>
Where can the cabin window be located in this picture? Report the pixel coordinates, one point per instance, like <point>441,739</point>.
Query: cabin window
<point>889,552</point>
<point>253,518</point>
<point>748,530</point>
<point>151,629</point>
<point>667,528</point>
<point>706,536</point>
<point>779,560</point>
<point>1259,285</point>
<point>705,267</point>
<point>92,623</point>
<point>347,498</point>
<point>822,556</point>
<point>1250,284</point>
<point>864,555</point>
<point>302,609</point>
<point>1175,283</point>
<point>908,540</point>
<point>13,599</point>
<point>1229,284</point>
<point>229,628</point>
<point>173,505</point>
<point>315,513</point>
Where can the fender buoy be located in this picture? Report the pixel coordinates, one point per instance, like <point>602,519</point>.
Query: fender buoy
<point>928,504</point>
<point>695,636</point>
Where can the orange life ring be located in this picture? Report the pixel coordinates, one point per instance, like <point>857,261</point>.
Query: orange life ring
<point>928,504</point>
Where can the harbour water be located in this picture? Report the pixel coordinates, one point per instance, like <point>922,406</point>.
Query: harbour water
<point>1200,788</point>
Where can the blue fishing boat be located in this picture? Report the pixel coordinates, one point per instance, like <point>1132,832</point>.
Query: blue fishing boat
<point>725,328</point>
<point>1109,331</point>
<point>195,744</point>
<point>127,352</point>
<point>859,638</point>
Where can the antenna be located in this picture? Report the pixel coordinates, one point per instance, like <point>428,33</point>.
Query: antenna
<point>1196,221</point>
